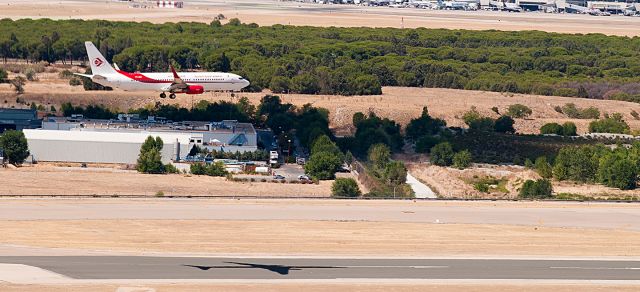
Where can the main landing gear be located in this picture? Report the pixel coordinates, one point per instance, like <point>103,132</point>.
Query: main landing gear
<point>171,96</point>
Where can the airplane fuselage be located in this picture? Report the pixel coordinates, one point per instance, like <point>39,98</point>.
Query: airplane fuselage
<point>210,81</point>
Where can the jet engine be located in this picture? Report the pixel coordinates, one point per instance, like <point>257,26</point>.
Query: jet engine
<point>194,89</point>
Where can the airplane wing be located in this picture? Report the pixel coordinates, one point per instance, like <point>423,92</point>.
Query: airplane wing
<point>178,84</point>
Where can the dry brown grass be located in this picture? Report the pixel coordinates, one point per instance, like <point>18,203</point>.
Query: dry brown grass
<point>329,238</point>
<point>47,180</point>
<point>398,103</point>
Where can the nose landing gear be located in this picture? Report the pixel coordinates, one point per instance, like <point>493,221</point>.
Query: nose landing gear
<point>163,95</point>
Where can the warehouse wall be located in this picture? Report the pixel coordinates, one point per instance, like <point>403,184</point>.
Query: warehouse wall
<point>91,152</point>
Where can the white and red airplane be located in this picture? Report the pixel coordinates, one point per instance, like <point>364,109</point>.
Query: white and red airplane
<point>184,82</point>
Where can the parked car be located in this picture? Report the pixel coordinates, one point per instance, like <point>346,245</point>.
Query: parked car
<point>277,176</point>
<point>303,177</point>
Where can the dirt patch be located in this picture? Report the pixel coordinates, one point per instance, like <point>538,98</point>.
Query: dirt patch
<point>50,180</point>
<point>288,237</point>
<point>456,183</point>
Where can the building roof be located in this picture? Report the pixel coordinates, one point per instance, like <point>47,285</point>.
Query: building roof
<point>104,136</point>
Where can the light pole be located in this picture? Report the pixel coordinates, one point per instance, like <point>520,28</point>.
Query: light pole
<point>289,151</point>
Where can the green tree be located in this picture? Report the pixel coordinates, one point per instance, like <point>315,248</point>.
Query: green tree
<point>345,187</point>
<point>395,173</point>
<point>617,171</point>
<point>15,146</point>
<point>150,158</point>
<point>304,83</point>
<point>576,163</point>
<point>543,168</point>
<point>322,165</point>
<point>324,144</point>
<point>280,84</point>
<point>442,154</point>
<point>379,156</point>
<point>462,159</point>
<point>504,124</point>
<point>425,143</point>
<point>519,111</point>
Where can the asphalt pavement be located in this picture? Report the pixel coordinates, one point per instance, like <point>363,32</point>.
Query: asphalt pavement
<point>135,267</point>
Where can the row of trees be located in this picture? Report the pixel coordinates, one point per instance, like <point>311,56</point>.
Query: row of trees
<point>617,167</point>
<point>345,60</point>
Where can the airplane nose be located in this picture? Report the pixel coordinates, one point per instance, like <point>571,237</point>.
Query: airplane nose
<point>245,83</point>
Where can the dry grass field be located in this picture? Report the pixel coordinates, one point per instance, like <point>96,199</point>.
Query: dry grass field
<point>48,180</point>
<point>284,12</point>
<point>398,103</point>
<point>320,238</point>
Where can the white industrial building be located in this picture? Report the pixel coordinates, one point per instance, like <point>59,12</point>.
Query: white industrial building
<point>113,141</point>
<point>88,146</point>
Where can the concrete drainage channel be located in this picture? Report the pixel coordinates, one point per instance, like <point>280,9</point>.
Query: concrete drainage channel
<point>421,190</point>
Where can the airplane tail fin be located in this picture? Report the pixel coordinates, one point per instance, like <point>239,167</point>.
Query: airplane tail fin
<point>99,64</point>
<point>176,78</point>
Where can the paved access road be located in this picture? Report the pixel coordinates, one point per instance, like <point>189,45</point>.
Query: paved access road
<point>134,267</point>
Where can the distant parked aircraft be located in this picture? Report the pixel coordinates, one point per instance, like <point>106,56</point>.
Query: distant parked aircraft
<point>183,82</point>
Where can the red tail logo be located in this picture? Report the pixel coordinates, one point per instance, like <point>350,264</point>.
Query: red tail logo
<point>98,62</point>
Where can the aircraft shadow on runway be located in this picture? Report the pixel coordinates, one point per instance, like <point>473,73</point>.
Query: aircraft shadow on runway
<point>280,269</point>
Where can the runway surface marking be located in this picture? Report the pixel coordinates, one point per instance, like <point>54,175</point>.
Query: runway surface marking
<point>202,268</point>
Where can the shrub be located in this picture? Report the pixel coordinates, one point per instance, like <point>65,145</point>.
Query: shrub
<point>462,159</point>
<point>481,187</point>
<point>18,84</point>
<point>572,111</point>
<point>543,168</point>
<point>75,81</point>
<point>569,129</point>
<point>30,74</point>
<point>170,168</point>
<point>159,194</point>
<point>345,187</point>
<point>551,128</point>
<point>635,115</point>
<point>442,154</point>
<point>3,75</point>
<point>64,74</point>
<point>539,189</point>
<point>495,110</point>
<point>614,124</point>
<point>504,124</point>
<point>198,168</point>
<point>519,111</point>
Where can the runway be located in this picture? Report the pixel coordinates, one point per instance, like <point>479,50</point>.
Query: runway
<point>194,268</point>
